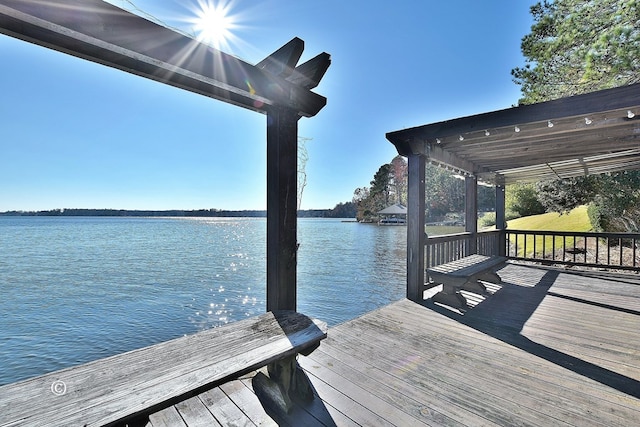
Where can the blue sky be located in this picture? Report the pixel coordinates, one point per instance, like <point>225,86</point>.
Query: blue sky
<point>75,134</point>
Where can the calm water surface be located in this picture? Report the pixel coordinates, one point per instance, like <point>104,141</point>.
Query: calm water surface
<point>75,289</point>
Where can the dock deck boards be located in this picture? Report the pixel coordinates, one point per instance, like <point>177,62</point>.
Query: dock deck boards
<point>549,347</point>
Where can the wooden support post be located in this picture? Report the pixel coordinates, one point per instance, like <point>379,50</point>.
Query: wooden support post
<point>471,212</point>
<point>416,236</point>
<point>501,223</point>
<point>282,181</point>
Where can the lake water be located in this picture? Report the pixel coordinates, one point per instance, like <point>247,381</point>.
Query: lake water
<point>76,289</point>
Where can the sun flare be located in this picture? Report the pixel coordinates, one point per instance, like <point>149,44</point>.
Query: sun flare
<point>213,23</point>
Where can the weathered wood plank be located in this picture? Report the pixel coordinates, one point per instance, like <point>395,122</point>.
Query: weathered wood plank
<point>224,409</point>
<point>168,417</point>
<point>195,413</point>
<point>148,379</point>
<point>512,384</point>
<point>360,414</point>
<point>427,408</point>
<point>359,392</point>
<point>246,400</point>
<point>511,359</point>
<point>459,380</point>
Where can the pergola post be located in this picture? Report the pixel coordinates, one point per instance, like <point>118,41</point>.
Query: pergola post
<point>471,212</point>
<point>282,170</point>
<point>501,223</point>
<point>416,236</point>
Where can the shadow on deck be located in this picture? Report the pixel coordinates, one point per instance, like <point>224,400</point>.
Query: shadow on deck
<point>549,347</point>
<point>578,320</point>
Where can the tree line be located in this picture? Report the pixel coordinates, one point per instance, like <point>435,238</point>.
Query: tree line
<point>341,210</point>
<point>444,194</point>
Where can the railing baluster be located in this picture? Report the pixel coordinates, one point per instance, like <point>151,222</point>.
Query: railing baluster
<point>621,249</point>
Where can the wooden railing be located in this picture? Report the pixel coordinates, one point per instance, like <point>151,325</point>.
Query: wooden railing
<point>606,250</point>
<point>451,247</point>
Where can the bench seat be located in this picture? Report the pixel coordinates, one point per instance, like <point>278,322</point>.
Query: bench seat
<point>132,385</point>
<point>464,273</point>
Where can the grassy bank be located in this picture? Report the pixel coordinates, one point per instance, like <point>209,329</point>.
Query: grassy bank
<point>576,220</point>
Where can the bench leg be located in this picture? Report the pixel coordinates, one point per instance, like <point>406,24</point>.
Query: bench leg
<point>490,276</point>
<point>455,299</point>
<point>472,285</point>
<point>286,380</point>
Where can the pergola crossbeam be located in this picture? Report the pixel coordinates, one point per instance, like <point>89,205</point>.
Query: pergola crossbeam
<point>100,32</point>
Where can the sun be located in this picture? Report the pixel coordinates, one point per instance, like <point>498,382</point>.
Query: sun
<point>213,23</point>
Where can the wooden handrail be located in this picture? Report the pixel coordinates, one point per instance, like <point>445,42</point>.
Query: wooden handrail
<point>590,249</point>
<point>448,238</point>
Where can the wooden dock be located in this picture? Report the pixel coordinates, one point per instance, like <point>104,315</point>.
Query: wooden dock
<point>549,347</point>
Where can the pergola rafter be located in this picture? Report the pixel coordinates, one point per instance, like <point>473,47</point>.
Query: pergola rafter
<point>561,138</point>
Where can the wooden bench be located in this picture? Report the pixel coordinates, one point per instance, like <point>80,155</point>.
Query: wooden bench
<point>127,387</point>
<point>464,273</point>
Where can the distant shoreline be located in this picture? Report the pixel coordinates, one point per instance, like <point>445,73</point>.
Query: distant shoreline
<point>310,213</point>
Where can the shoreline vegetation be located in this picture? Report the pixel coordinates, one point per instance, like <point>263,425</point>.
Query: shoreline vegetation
<point>309,213</point>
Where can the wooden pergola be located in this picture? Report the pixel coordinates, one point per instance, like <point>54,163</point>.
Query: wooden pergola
<point>276,86</point>
<point>594,133</point>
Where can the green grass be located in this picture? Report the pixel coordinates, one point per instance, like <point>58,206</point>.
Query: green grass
<point>576,220</point>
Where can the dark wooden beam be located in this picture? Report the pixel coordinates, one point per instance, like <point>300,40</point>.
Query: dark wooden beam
<point>573,106</point>
<point>416,236</point>
<point>471,211</point>
<point>436,154</point>
<point>310,73</point>
<point>282,62</point>
<point>99,32</point>
<point>562,132</point>
<point>282,181</point>
<point>501,223</point>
